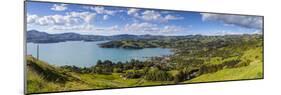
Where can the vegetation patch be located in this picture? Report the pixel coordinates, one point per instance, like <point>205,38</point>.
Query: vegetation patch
<point>195,59</point>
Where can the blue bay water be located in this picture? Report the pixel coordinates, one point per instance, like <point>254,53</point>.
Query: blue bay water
<point>85,54</point>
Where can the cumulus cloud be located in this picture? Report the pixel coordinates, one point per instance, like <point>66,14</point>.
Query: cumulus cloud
<point>238,20</point>
<point>70,18</point>
<point>133,11</point>
<point>102,10</point>
<point>59,7</point>
<point>70,21</point>
<point>151,28</point>
<point>151,15</point>
<point>171,17</point>
<point>105,13</point>
<point>108,29</point>
<point>171,29</point>
<point>140,27</point>
<point>227,32</point>
<point>31,18</point>
<point>84,27</point>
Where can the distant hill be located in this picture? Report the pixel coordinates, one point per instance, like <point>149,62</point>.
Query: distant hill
<point>43,37</point>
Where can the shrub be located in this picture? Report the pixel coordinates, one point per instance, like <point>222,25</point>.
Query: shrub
<point>133,74</point>
<point>185,74</point>
<point>179,76</point>
<point>158,75</point>
<point>231,63</point>
<point>117,70</point>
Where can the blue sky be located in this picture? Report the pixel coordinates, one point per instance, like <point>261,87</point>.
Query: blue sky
<point>103,20</point>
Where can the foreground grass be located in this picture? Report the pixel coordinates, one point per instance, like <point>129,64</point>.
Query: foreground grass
<point>36,82</point>
<point>253,71</point>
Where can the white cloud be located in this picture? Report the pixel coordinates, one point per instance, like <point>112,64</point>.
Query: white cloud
<point>102,10</point>
<point>105,17</point>
<point>171,29</point>
<point>85,16</point>
<point>31,18</point>
<point>151,15</point>
<point>84,27</point>
<point>140,27</point>
<point>152,28</point>
<point>227,32</point>
<point>257,32</point>
<point>232,32</point>
<point>71,18</point>
<point>59,7</point>
<point>132,11</point>
<point>171,17</point>
<point>108,29</point>
<point>238,20</point>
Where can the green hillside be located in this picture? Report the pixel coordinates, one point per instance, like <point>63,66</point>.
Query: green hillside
<point>42,77</point>
<point>195,59</point>
<point>253,71</point>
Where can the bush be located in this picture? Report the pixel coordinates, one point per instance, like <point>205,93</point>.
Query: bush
<point>105,67</point>
<point>133,74</point>
<point>117,70</point>
<point>76,69</point>
<point>231,63</point>
<point>158,75</point>
<point>243,63</point>
<point>185,74</point>
<point>179,76</point>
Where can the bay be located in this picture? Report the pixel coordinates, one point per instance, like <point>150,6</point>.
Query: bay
<point>85,54</point>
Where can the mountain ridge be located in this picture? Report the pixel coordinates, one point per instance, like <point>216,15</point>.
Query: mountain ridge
<point>43,37</point>
<point>36,36</point>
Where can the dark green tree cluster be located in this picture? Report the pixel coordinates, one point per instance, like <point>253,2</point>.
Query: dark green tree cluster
<point>158,75</point>
<point>108,67</point>
<point>105,67</point>
<point>216,67</point>
<point>133,74</point>
<point>185,74</point>
<point>77,69</point>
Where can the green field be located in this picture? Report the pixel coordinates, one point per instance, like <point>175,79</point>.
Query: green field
<point>253,71</point>
<point>195,59</point>
<point>37,83</point>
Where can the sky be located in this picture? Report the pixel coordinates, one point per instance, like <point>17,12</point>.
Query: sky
<point>105,20</point>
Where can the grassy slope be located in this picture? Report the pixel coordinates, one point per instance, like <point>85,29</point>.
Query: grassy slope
<point>37,82</point>
<point>38,78</point>
<point>254,70</point>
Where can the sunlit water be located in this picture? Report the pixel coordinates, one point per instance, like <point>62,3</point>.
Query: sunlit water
<point>82,54</point>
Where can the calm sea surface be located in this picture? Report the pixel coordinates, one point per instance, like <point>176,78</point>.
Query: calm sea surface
<point>85,54</point>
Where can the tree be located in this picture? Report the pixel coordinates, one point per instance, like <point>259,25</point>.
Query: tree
<point>117,70</point>
<point>158,75</point>
<point>179,76</point>
<point>133,74</point>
